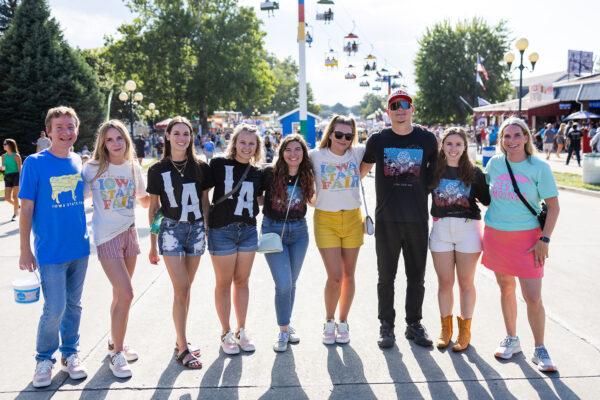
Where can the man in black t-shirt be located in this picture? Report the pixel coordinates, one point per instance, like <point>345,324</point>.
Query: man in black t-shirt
<point>140,150</point>
<point>574,143</point>
<point>405,157</point>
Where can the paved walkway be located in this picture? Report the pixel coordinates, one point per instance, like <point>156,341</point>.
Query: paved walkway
<point>359,370</point>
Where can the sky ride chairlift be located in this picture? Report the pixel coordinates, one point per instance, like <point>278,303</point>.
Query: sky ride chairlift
<point>269,7</point>
<point>350,74</point>
<point>331,59</point>
<point>324,12</point>
<point>351,44</point>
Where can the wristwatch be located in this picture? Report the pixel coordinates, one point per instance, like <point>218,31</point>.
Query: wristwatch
<point>545,239</point>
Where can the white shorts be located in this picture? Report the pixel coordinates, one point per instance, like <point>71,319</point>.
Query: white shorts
<point>455,234</point>
<point>548,146</point>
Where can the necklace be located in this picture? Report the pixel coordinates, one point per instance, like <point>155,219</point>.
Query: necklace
<point>179,170</point>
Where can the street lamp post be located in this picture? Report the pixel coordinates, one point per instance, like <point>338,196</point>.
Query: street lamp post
<point>255,115</point>
<point>128,97</point>
<point>521,45</point>
<point>151,113</point>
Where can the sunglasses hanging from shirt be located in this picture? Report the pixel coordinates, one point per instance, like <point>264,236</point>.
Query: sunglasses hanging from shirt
<point>405,105</point>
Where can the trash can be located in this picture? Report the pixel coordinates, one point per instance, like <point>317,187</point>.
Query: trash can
<point>473,152</point>
<point>591,168</point>
<point>487,153</point>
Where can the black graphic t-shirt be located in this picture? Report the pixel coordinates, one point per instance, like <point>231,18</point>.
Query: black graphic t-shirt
<point>575,137</point>
<point>452,198</point>
<point>180,197</point>
<point>276,209</point>
<point>404,170</point>
<point>241,206</point>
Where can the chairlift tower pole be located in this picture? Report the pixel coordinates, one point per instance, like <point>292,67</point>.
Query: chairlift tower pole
<point>302,73</point>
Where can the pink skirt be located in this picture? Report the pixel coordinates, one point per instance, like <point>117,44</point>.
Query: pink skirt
<point>506,252</point>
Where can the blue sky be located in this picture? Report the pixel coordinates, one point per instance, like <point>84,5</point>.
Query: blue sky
<point>388,28</point>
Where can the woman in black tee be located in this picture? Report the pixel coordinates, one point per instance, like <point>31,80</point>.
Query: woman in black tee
<point>455,239</point>
<point>178,185</point>
<point>289,185</point>
<point>232,236</point>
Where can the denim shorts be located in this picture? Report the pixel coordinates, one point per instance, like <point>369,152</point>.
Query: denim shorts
<point>177,238</point>
<point>237,237</point>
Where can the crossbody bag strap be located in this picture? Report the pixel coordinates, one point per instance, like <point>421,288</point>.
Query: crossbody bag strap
<point>517,191</point>
<point>288,207</point>
<point>362,188</point>
<point>235,188</point>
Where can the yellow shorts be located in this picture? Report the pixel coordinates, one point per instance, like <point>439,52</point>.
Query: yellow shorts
<point>338,229</point>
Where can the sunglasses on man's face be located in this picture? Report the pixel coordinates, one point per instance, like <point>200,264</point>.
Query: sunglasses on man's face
<point>339,135</point>
<point>405,105</point>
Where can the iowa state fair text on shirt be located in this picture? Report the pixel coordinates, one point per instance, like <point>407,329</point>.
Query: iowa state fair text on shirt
<point>339,176</point>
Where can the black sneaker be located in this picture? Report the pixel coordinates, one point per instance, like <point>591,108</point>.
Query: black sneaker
<point>386,335</point>
<point>418,334</point>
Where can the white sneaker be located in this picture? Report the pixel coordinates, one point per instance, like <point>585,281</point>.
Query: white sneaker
<point>129,353</point>
<point>343,335</point>
<point>74,367</point>
<point>43,374</point>
<point>281,344</point>
<point>228,343</point>
<point>329,332</point>
<point>293,335</point>
<point>244,341</point>
<point>118,365</point>
<point>543,360</point>
<point>508,347</point>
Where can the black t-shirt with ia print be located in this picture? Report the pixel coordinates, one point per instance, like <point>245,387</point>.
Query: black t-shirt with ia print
<point>180,193</point>
<point>241,206</point>
<point>452,198</point>
<point>276,209</point>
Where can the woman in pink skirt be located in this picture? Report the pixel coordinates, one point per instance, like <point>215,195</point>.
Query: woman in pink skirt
<point>514,245</point>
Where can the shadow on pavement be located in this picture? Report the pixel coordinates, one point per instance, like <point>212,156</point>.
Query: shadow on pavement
<point>405,388</point>
<point>167,379</point>
<point>437,382</point>
<point>98,387</point>
<point>347,374</point>
<point>211,384</point>
<point>540,384</point>
<point>284,379</point>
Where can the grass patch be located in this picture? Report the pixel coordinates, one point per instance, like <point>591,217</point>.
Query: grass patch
<point>146,166</point>
<point>573,180</point>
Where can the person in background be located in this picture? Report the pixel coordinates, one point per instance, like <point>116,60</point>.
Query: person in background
<point>548,140</point>
<point>574,143</point>
<point>514,244</point>
<point>595,142</point>
<point>209,149</point>
<point>42,143</point>
<point>455,239</point>
<point>560,139</point>
<point>51,193</point>
<point>11,166</point>
<point>289,186</point>
<point>140,148</point>
<point>113,227</point>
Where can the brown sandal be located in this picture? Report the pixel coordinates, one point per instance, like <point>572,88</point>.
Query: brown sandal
<point>194,351</point>
<point>189,363</point>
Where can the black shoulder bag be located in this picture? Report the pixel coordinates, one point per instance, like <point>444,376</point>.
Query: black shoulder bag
<point>232,191</point>
<point>541,217</point>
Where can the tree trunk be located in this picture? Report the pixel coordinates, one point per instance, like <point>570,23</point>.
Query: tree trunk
<point>203,115</point>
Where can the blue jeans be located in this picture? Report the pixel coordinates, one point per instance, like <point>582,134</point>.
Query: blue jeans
<point>62,285</point>
<point>285,266</point>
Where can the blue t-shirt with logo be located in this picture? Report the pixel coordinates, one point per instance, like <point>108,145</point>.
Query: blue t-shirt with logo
<point>536,182</point>
<point>209,146</point>
<point>56,186</point>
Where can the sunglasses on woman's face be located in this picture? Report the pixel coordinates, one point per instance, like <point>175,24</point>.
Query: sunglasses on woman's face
<point>339,135</point>
<point>405,105</point>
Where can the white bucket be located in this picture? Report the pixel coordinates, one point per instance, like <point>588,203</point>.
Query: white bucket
<point>473,152</point>
<point>591,168</point>
<point>27,290</point>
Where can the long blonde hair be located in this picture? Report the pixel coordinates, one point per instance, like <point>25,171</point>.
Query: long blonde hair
<point>338,119</point>
<point>231,150</point>
<point>529,150</point>
<point>100,156</point>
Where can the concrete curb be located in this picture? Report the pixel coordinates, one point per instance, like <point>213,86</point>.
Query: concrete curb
<point>585,192</point>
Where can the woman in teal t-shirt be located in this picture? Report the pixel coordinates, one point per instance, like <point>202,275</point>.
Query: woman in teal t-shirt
<point>11,166</point>
<point>514,245</point>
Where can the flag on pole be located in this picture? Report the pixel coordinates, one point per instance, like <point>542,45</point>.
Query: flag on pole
<point>481,68</point>
<point>479,80</point>
<point>482,102</point>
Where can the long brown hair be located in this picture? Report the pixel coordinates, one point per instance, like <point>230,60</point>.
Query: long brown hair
<point>13,145</point>
<point>306,179</point>
<point>189,151</point>
<point>338,119</point>
<point>100,156</point>
<point>466,167</point>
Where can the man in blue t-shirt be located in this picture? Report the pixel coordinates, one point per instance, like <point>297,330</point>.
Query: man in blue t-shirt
<point>209,149</point>
<point>51,191</point>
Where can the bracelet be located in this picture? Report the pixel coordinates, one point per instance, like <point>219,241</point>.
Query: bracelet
<point>545,239</point>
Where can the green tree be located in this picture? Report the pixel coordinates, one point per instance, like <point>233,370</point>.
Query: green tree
<point>369,104</point>
<point>195,57</point>
<point>286,96</point>
<point>7,12</point>
<point>39,71</point>
<point>445,69</point>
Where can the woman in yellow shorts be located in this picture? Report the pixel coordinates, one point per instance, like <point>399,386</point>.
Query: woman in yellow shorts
<point>338,220</point>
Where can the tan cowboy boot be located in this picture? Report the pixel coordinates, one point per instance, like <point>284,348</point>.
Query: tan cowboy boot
<point>446,333</point>
<point>464,334</point>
